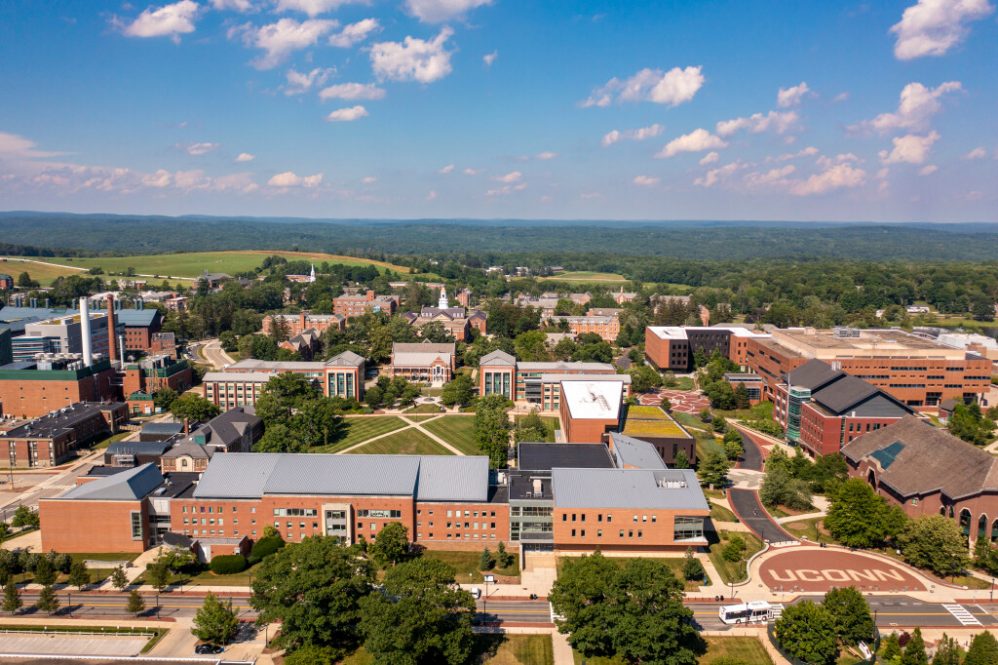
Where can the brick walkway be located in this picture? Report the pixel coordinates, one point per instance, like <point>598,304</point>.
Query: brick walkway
<point>685,401</point>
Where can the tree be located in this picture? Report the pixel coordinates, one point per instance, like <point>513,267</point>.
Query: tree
<point>282,394</point>
<point>79,576</point>
<point>136,605</point>
<point>118,578</point>
<point>714,469</point>
<point>780,489</point>
<point>936,543</point>
<point>666,404</point>
<point>485,561</point>
<point>158,574</point>
<point>851,615</point>
<point>193,408</point>
<point>742,400</point>
<point>311,654</point>
<point>633,611</point>
<point>859,517</point>
<point>914,651</point>
<point>891,650</point>
<point>279,438</point>
<point>970,424</point>
<point>164,398</point>
<point>391,545</point>
<point>47,600</point>
<point>531,346</point>
<point>504,559</point>
<point>681,461</point>
<point>644,379</point>
<point>24,517</point>
<point>45,572</point>
<point>216,621</point>
<point>420,617</point>
<point>692,568</point>
<point>949,652</point>
<point>807,631</point>
<point>530,428</point>
<point>314,589</point>
<point>11,597</point>
<point>734,549</point>
<point>492,429</point>
<point>983,650</point>
<point>459,391</point>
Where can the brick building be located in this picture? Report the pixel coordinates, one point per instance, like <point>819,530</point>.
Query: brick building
<point>914,370</point>
<point>296,324</point>
<point>340,376</point>
<point>538,383</point>
<point>54,438</point>
<point>155,373</point>
<point>653,425</point>
<point>607,327</point>
<point>674,347</point>
<point>423,362</point>
<point>823,409</point>
<point>30,389</point>
<point>349,306</point>
<point>928,471</point>
<point>590,409</point>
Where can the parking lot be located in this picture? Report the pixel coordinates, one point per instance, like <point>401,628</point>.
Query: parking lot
<point>63,644</point>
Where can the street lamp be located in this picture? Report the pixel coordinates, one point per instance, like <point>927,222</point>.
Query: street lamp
<point>485,602</point>
<point>991,596</point>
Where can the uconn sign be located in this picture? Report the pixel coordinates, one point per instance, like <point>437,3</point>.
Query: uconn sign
<point>847,575</point>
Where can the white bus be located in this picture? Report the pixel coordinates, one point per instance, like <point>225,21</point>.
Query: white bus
<point>756,611</point>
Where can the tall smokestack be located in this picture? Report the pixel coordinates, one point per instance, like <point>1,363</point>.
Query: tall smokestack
<point>88,358</point>
<point>112,340</point>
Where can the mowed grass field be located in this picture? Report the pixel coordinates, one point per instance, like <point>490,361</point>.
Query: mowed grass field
<point>746,650</point>
<point>585,276</point>
<point>458,431</point>
<point>191,264</point>
<point>362,429</point>
<point>45,273</point>
<point>407,442</point>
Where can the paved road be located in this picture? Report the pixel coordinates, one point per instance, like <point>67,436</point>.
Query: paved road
<point>752,457</point>
<point>517,611</point>
<point>51,486</point>
<point>750,511</point>
<point>213,353</point>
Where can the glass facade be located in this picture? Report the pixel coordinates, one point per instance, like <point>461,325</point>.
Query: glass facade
<point>796,399</point>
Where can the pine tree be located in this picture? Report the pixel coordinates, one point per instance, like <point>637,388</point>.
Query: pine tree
<point>79,576</point>
<point>983,650</point>
<point>503,557</point>
<point>914,651</point>
<point>11,597</point>
<point>118,579</point>
<point>485,562</point>
<point>135,603</point>
<point>47,600</point>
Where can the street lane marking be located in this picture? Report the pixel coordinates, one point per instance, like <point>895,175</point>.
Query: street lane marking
<point>963,615</point>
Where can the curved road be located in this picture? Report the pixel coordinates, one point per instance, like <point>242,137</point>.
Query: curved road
<point>746,503</point>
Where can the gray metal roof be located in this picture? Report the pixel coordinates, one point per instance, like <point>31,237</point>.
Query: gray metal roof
<point>669,489</point>
<point>130,485</point>
<point>812,375</point>
<point>546,456</point>
<point>345,359</point>
<point>497,358</point>
<point>629,451</point>
<point>430,478</point>
<point>561,366</point>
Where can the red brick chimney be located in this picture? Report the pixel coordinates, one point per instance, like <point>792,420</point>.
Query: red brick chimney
<point>301,326</point>
<point>112,339</point>
<point>187,426</point>
<point>370,295</point>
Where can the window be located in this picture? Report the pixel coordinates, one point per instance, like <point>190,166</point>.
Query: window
<point>685,528</point>
<point>136,525</point>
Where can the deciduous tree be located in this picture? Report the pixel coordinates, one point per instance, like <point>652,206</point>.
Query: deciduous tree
<point>390,546</point>
<point>806,631</point>
<point>215,621</point>
<point>851,614</point>
<point>936,543</point>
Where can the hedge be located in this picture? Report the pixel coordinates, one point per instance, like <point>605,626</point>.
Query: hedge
<point>227,564</point>
<point>265,547</point>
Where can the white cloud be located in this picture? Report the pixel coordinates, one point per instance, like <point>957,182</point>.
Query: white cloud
<point>792,96</point>
<point>352,91</point>
<point>916,107</point>
<point>928,169</point>
<point>673,87</point>
<point>166,21</point>
<point>645,181</point>
<point>512,176</point>
<point>431,195</point>
<point>347,114</point>
<point>158,180</point>
<point>311,7</point>
<point>413,59</point>
<point>446,169</point>
<point>490,58</point>
<point>806,152</point>
<point>777,177</point>
<point>300,83</point>
<point>506,189</point>
<point>245,157</point>
<point>714,176</point>
<point>368,180</point>
<point>977,153</point>
<point>291,179</point>
<point>757,123</point>
<point>241,6</point>
<point>12,145</point>
<point>639,134</point>
<point>696,141</point>
<point>933,27</point>
<point>471,171</point>
<point>281,39</point>
<point>354,33</point>
<point>909,149</point>
<point>203,148</point>
<point>709,158</point>
<point>840,176</point>
<point>841,97</point>
<point>545,156</point>
<point>437,11</point>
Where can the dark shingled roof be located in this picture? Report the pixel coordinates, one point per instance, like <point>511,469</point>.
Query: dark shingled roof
<point>546,456</point>
<point>839,393</point>
<point>916,459</point>
<point>812,375</point>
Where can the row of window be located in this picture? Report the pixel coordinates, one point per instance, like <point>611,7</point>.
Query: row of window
<point>609,518</point>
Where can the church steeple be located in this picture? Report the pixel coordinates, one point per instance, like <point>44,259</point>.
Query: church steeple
<point>311,274</point>
<point>444,303</point>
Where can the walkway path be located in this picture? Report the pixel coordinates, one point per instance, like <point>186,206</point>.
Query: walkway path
<point>411,424</point>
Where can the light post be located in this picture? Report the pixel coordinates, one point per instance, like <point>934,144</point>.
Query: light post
<point>991,593</point>
<point>485,601</point>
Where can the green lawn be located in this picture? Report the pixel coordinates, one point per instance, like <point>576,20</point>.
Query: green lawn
<point>741,650</point>
<point>706,442</point>
<point>43,273</point>
<point>585,276</point>
<point>424,408</point>
<point>406,442</point>
<point>466,564</point>
<point>551,423</point>
<point>502,649</point>
<point>721,514</point>
<point>208,578</point>
<point>675,564</point>
<point>733,571</point>
<point>458,431</point>
<point>192,264</point>
<point>682,383</point>
<point>362,429</point>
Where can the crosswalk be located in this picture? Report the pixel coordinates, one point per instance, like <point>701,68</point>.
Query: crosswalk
<point>775,611</point>
<point>962,614</point>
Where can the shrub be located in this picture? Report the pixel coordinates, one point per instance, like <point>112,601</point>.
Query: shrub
<point>734,549</point>
<point>228,564</point>
<point>265,547</point>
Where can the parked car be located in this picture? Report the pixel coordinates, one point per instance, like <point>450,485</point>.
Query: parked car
<point>208,649</point>
<point>476,593</point>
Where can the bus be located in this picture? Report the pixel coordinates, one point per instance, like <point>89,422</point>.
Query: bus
<point>756,611</point>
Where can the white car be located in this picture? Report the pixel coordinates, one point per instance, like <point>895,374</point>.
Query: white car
<point>476,593</point>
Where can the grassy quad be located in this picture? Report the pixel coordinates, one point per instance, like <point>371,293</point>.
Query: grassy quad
<point>500,649</point>
<point>747,650</point>
<point>406,442</point>
<point>733,571</point>
<point>458,431</point>
<point>585,276</point>
<point>362,429</point>
<point>465,564</point>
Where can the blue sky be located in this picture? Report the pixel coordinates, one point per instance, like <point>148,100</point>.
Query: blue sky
<point>477,108</point>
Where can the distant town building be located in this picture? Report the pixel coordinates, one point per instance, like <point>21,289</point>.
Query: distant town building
<point>423,362</point>
<point>241,383</point>
<point>296,324</point>
<point>349,306</point>
<point>538,383</point>
<point>55,437</point>
<point>607,327</point>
